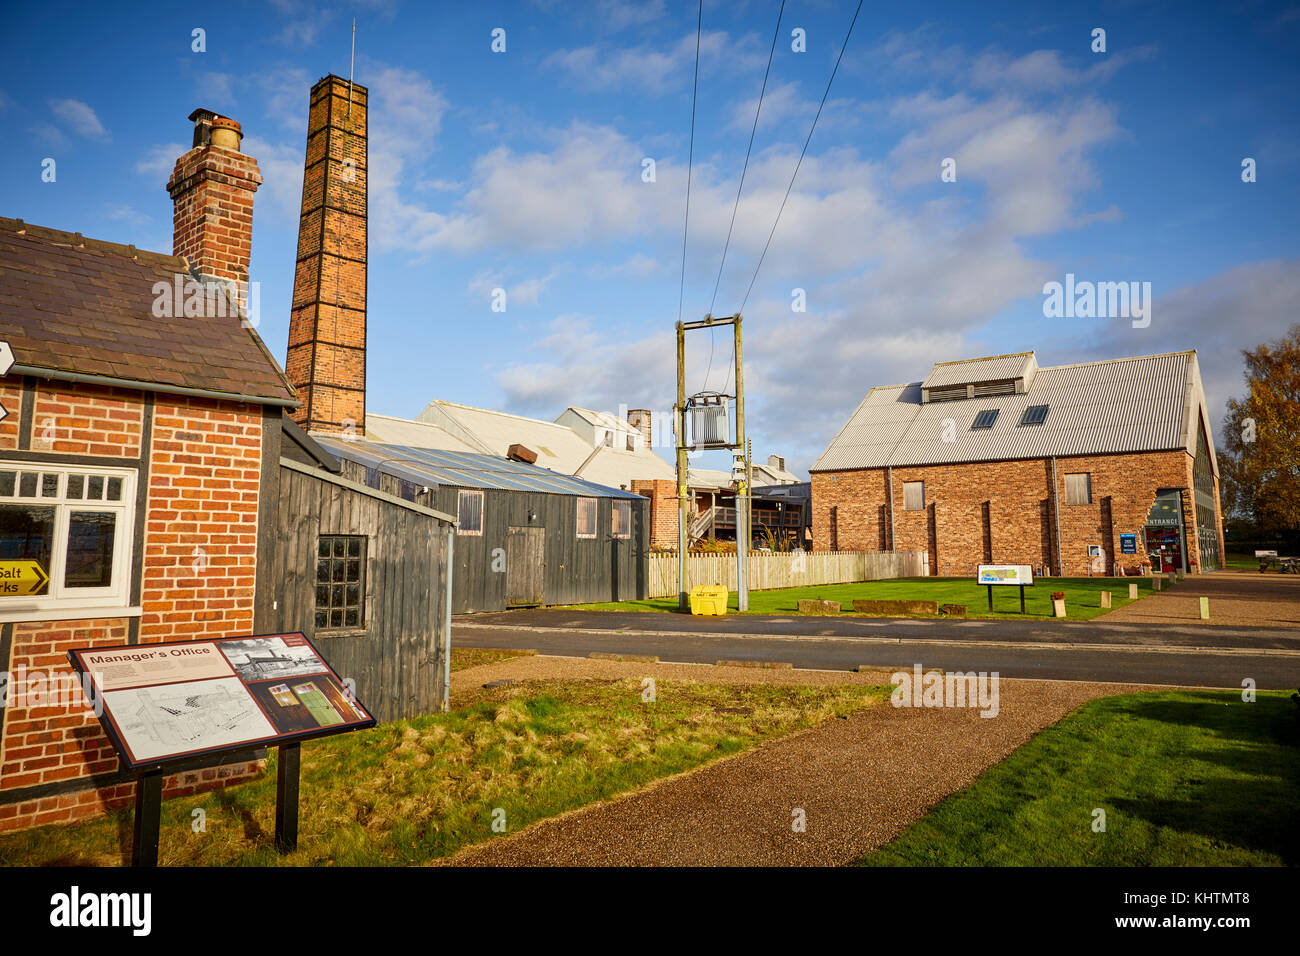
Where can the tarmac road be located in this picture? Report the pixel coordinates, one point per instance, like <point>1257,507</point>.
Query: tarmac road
<point>1085,651</point>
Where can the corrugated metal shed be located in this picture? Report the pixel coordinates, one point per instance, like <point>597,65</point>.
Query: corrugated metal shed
<point>996,368</point>
<point>1147,403</point>
<point>433,467</point>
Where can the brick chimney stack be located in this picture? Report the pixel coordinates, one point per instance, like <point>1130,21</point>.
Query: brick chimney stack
<point>326,358</point>
<point>639,418</point>
<point>212,190</point>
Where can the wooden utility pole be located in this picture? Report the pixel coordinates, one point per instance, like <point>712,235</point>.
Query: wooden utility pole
<point>742,489</point>
<point>682,501</point>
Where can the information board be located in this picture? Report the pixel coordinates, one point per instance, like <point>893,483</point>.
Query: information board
<point>1128,544</point>
<point>1021,574</point>
<point>186,699</point>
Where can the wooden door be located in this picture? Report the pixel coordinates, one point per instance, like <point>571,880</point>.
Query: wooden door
<point>524,566</point>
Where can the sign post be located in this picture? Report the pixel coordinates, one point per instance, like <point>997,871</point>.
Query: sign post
<point>148,820</point>
<point>286,797</point>
<point>185,704</point>
<point>1003,575</point>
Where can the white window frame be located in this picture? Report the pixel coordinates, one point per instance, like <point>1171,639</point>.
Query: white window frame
<point>473,493</point>
<point>61,602</point>
<point>595,517</point>
<point>625,507</point>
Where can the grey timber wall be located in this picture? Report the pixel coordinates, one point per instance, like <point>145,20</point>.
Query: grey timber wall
<point>575,570</point>
<point>395,657</point>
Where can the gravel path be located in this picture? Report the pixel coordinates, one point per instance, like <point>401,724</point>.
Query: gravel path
<point>1236,598</point>
<point>859,780</point>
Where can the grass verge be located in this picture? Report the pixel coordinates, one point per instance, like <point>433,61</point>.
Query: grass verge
<point>1082,597</point>
<point>1185,778</point>
<point>416,790</point>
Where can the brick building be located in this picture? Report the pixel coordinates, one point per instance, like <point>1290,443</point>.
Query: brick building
<point>131,461</point>
<point>1075,469</point>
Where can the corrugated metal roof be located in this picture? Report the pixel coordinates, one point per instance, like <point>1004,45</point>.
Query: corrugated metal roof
<point>428,466</point>
<point>1122,405</point>
<point>995,368</point>
<point>404,431</point>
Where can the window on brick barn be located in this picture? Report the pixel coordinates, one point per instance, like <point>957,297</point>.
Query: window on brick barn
<point>1078,489</point>
<point>914,496</point>
<point>65,538</point>
<point>469,512</point>
<point>586,517</point>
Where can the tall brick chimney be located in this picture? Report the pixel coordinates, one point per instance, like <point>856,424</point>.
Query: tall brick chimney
<point>326,359</point>
<point>212,190</point>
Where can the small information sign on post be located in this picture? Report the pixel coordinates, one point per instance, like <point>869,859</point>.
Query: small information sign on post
<point>999,575</point>
<point>174,706</point>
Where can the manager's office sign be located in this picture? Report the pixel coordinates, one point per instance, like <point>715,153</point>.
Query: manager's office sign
<point>189,699</point>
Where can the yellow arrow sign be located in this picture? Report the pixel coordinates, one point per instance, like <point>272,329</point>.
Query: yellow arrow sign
<point>18,578</point>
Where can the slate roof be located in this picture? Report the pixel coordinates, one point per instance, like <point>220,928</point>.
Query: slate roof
<point>69,304</point>
<point>1144,403</point>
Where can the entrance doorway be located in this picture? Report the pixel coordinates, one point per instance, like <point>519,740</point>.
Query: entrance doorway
<point>524,566</point>
<point>1165,548</point>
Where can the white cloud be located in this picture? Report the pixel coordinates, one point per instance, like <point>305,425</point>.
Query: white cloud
<point>280,195</point>
<point>80,117</point>
<point>653,69</point>
<point>159,161</point>
<point>1046,70</point>
<point>527,292</point>
<point>123,212</point>
<point>215,91</point>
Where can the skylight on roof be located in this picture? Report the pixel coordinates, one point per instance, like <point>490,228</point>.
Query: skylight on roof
<point>986,418</point>
<point>1034,415</point>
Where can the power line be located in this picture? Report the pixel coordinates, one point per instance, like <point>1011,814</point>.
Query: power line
<point>801,154</point>
<point>690,162</point>
<point>748,150</point>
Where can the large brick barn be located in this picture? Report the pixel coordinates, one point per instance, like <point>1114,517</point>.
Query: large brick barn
<point>1073,469</point>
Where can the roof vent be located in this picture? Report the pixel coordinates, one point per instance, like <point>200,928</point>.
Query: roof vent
<point>522,453</point>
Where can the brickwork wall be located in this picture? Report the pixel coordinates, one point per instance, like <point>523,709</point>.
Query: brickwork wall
<point>662,493</point>
<point>200,554</point>
<point>201,526</point>
<point>999,507</point>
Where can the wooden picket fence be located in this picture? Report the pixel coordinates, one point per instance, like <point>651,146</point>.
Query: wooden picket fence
<point>768,571</point>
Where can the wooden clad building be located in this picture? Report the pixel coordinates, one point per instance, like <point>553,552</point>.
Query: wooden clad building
<point>525,535</point>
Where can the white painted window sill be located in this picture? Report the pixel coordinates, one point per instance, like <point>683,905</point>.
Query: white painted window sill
<point>69,613</point>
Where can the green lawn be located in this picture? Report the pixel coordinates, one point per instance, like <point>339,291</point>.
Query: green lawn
<point>1082,596</point>
<point>413,791</point>
<point>1185,779</point>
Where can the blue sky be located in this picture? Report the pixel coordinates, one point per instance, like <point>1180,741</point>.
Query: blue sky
<point>523,170</point>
